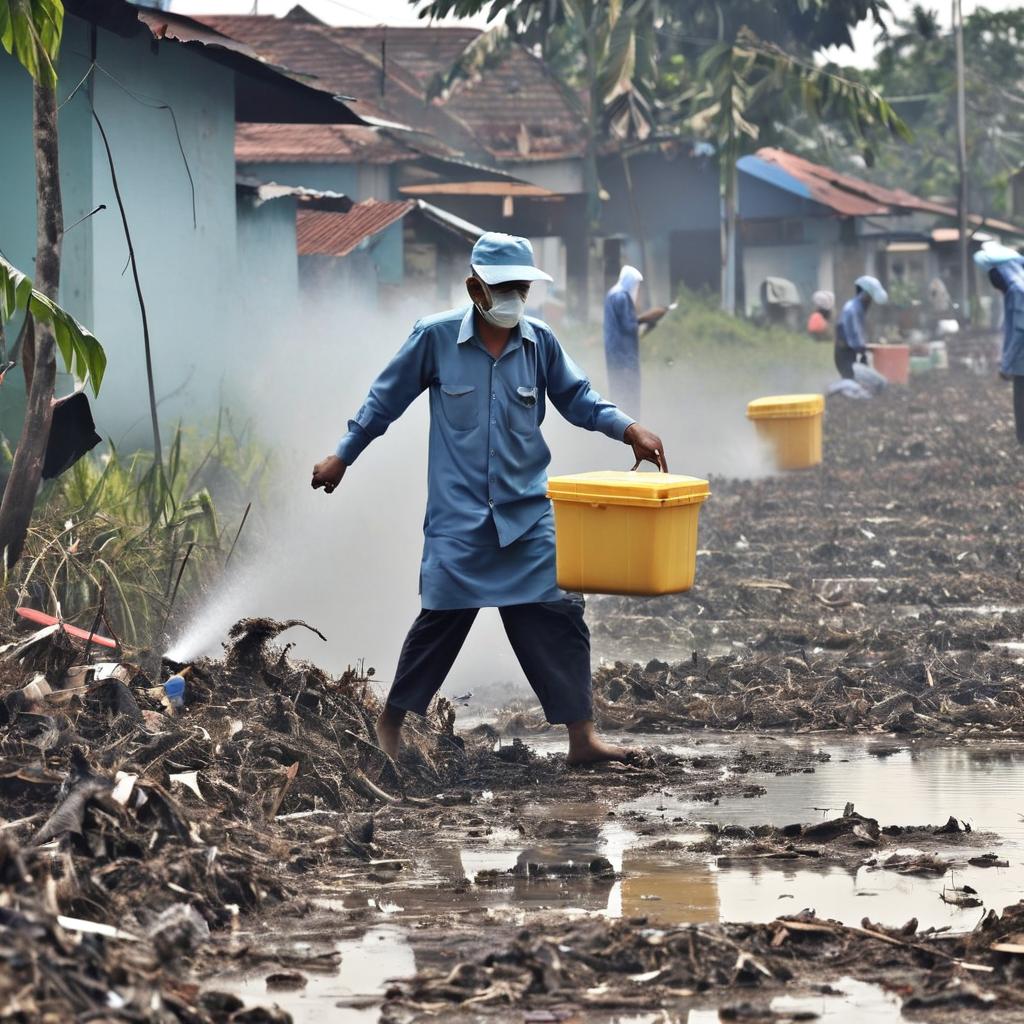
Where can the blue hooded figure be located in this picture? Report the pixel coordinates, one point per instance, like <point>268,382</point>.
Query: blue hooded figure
<point>1006,272</point>
<point>622,340</point>
<point>851,332</point>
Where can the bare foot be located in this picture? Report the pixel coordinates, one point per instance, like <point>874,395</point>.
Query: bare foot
<point>586,747</point>
<point>389,730</point>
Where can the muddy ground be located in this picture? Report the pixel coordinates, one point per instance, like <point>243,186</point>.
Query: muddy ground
<point>883,592</point>
<point>256,848</point>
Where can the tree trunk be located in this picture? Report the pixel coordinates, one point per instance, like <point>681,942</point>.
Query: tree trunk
<point>641,235</point>
<point>41,369</point>
<point>729,202</point>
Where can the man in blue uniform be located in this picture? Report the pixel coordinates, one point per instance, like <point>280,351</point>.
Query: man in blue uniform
<point>622,339</point>
<point>489,529</point>
<point>1005,268</point>
<point>851,337</point>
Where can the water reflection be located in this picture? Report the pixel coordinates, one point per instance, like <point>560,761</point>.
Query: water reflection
<point>856,1003</point>
<point>368,963</point>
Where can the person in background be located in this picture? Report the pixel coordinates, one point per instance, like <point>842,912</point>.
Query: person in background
<point>819,323</point>
<point>622,340</point>
<point>1005,268</point>
<point>489,533</point>
<point>851,338</point>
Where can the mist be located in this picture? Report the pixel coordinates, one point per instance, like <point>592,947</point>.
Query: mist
<point>348,563</point>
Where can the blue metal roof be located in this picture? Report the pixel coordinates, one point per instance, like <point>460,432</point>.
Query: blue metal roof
<point>773,175</point>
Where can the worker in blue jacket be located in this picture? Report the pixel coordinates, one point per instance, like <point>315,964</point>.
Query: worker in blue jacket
<point>489,535</point>
<point>1005,267</point>
<point>622,340</point>
<point>851,337</point>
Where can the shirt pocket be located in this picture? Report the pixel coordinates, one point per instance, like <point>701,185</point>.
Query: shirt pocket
<point>522,410</point>
<point>458,402</point>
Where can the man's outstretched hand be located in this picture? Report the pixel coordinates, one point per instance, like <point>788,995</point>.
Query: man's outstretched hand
<point>328,473</point>
<point>647,447</point>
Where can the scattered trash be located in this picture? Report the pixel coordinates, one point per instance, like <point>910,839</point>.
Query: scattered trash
<point>963,896</point>
<point>988,860</point>
<point>174,690</point>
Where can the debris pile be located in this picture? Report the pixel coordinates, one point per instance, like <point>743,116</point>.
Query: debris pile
<point>957,695</point>
<point>601,964</point>
<point>883,592</point>
<point>145,826</point>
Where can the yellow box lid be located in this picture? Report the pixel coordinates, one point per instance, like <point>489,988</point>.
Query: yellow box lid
<point>611,487</point>
<point>779,406</point>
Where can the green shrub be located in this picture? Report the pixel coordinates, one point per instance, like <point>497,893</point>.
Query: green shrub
<point>116,531</point>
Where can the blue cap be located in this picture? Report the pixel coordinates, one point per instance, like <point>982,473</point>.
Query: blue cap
<point>497,258</point>
<point>874,288</point>
<point>992,254</point>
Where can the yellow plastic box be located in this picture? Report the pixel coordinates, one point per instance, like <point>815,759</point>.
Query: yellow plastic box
<point>626,533</point>
<point>792,425</point>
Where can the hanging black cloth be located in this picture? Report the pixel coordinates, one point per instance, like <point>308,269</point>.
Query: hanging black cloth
<point>72,434</point>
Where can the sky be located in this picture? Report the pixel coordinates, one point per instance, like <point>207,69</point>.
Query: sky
<point>400,12</point>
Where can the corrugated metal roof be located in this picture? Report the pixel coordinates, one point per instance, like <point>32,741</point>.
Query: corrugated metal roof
<point>267,191</point>
<point>846,194</point>
<point>337,234</point>
<point>467,230</point>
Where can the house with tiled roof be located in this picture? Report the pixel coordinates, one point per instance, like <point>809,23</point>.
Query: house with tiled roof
<point>821,229</point>
<point>169,92</point>
<point>503,150</point>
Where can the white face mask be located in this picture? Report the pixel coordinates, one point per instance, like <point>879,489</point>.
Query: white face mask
<point>506,310</point>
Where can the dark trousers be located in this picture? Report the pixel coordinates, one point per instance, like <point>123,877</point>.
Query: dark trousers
<point>550,640</point>
<point>1018,407</point>
<point>845,358</point>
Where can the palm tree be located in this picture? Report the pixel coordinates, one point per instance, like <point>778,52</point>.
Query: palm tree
<point>605,60</point>
<point>732,78</point>
<point>734,70</point>
<point>31,31</point>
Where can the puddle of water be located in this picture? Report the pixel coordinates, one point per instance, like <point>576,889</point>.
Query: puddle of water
<point>916,785</point>
<point>859,1003</point>
<point>913,784</point>
<point>367,965</point>
<point>681,893</point>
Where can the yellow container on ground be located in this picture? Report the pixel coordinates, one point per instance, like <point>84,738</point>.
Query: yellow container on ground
<point>626,533</point>
<point>792,425</point>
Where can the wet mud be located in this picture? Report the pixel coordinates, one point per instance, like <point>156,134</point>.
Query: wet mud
<point>821,821</point>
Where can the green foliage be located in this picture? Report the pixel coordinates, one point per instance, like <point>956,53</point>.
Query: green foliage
<point>703,339</point>
<point>117,530</point>
<point>607,50</point>
<point>918,63</point>
<point>82,353</point>
<point>915,71</point>
<point>734,77</point>
<point>31,31</point>
<point>802,27</point>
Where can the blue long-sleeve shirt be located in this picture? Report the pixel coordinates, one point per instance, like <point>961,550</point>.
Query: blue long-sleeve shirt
<point>621,330</point>
<point>1012,274</point>
<point>850,327</point>
<point>487,474</point>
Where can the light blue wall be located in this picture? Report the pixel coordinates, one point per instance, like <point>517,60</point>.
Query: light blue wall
<point>387,251</point>
<point>810,264</point>
<point>268,274</point>
<point>188,273</point>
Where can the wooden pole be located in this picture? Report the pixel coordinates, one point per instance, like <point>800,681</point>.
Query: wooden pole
<point>961,162</point>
